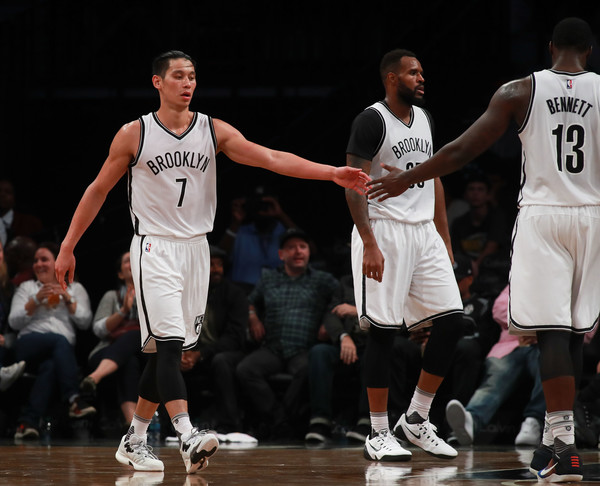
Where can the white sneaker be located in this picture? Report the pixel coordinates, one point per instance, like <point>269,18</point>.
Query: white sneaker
<point>196,448</point>
<point>383,446</point>
<point>137,453</point>
<point>424,436</point>
<point>461,422</point>
<point>530,433</point>
<point>10,374</point>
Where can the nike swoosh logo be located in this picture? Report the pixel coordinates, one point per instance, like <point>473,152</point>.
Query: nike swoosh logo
<point>547,471</point>
<point>413,434</point>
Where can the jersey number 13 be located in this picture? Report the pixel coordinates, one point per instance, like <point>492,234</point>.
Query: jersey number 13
<point>572,138</point>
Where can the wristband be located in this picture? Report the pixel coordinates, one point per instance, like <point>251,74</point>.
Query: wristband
<point>343,335</point>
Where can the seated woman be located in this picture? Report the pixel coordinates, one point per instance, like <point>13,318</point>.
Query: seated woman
<point>46,317</point>
<point>119,350</point>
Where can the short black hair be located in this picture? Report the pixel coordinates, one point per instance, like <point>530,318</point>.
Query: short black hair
<point>392,59</point>
<point>161,63</point>
<point>572,33</point>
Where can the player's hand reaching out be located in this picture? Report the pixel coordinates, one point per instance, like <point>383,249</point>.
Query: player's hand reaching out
<point>351,178</point>
<point>390,185</point>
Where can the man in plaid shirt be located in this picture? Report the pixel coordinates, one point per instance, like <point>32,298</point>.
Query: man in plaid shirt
<point>287,307</point>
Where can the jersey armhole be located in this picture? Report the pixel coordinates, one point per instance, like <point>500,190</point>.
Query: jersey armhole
<point>530,107</point>
<point>140,144</point>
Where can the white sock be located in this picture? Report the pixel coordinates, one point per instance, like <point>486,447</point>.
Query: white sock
<point>420,403</point>
<point>547,437</point>
<point>139,426</point>
<point>562,426</point>
<point>379,421</point>
<point>182,424</point>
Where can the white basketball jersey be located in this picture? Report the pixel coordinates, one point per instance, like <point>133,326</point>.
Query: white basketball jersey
<point>172,181</point>
<point>403,146</point>
<point>561,146</point>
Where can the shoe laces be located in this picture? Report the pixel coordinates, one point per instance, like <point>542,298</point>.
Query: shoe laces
<point>429,431</point>
<point>142,448</point>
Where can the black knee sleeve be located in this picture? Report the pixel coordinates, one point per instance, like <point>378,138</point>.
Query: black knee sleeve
<point>560,354</point>
<point>169,379</point>
<point>445,333</point>
<point>147,388</point>
<point>377,357</point>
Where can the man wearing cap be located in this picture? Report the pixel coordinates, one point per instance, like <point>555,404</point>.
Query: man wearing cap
<point>287,307</point>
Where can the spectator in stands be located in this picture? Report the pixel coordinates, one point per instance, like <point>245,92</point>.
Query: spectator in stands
<point>117,325</point>
<point>287,308</point>
<point>252,239</point>
<point>341,355</point>
<point>510,358</point>
<point>46,317</point>
<point>19,254</point>
<point>482,231</point>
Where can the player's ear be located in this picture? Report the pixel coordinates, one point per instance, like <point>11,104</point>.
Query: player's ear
<point>156,81</point>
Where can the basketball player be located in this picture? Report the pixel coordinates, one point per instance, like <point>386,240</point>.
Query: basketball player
<point>410,234</point>
<point>554,285</point>
<point>170,159</point>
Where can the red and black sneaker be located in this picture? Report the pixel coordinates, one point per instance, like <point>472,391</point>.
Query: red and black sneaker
<point>563,468</point>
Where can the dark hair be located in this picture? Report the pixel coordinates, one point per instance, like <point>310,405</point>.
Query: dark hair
<point>392,59</point>
<point>51,246</point>
<point>573,33</point>
<point>161,63</point>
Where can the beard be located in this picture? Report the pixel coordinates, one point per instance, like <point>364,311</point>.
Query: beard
<point>410,98</point>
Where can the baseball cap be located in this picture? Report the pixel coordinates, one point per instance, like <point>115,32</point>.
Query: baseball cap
<point>292,233</point>
<point>216,252</point>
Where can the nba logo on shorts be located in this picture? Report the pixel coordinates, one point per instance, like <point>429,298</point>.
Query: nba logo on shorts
<point>148,246</point>
<point>569,84</point>
<point>198,323</point>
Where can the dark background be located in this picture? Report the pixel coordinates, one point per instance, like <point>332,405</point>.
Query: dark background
<point>289,75</point>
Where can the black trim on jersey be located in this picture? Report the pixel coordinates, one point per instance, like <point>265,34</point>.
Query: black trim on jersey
<point>530,107</point>
<point>178,137</point>
<point>435,316</point>
<point>412,114</point>
<point>140,290</point>
<point>380,326</point>
<point>523,178</point>
<point>141,142</point>
<point>431,124</point>
<point>133,163</point>
<point>568,73</point>
<point>212,132</point>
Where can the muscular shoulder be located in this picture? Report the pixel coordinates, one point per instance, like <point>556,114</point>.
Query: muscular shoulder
<point>516,90</point>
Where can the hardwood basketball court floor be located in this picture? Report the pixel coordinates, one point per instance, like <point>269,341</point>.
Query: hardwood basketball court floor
<point>93,463</point>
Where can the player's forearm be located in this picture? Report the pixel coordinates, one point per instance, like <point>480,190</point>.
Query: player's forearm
<point>359,211</point>
<point>86,211</point>
<point>289,164</point>
<point>448,159</point>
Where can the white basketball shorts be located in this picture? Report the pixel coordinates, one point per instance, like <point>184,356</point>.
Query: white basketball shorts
<point>555,269</point>
<point>171,287</point>
<point>418,282</point>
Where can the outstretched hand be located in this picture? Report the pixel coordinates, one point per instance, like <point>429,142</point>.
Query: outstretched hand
<point>389,185</point>
<point>351,178</point>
